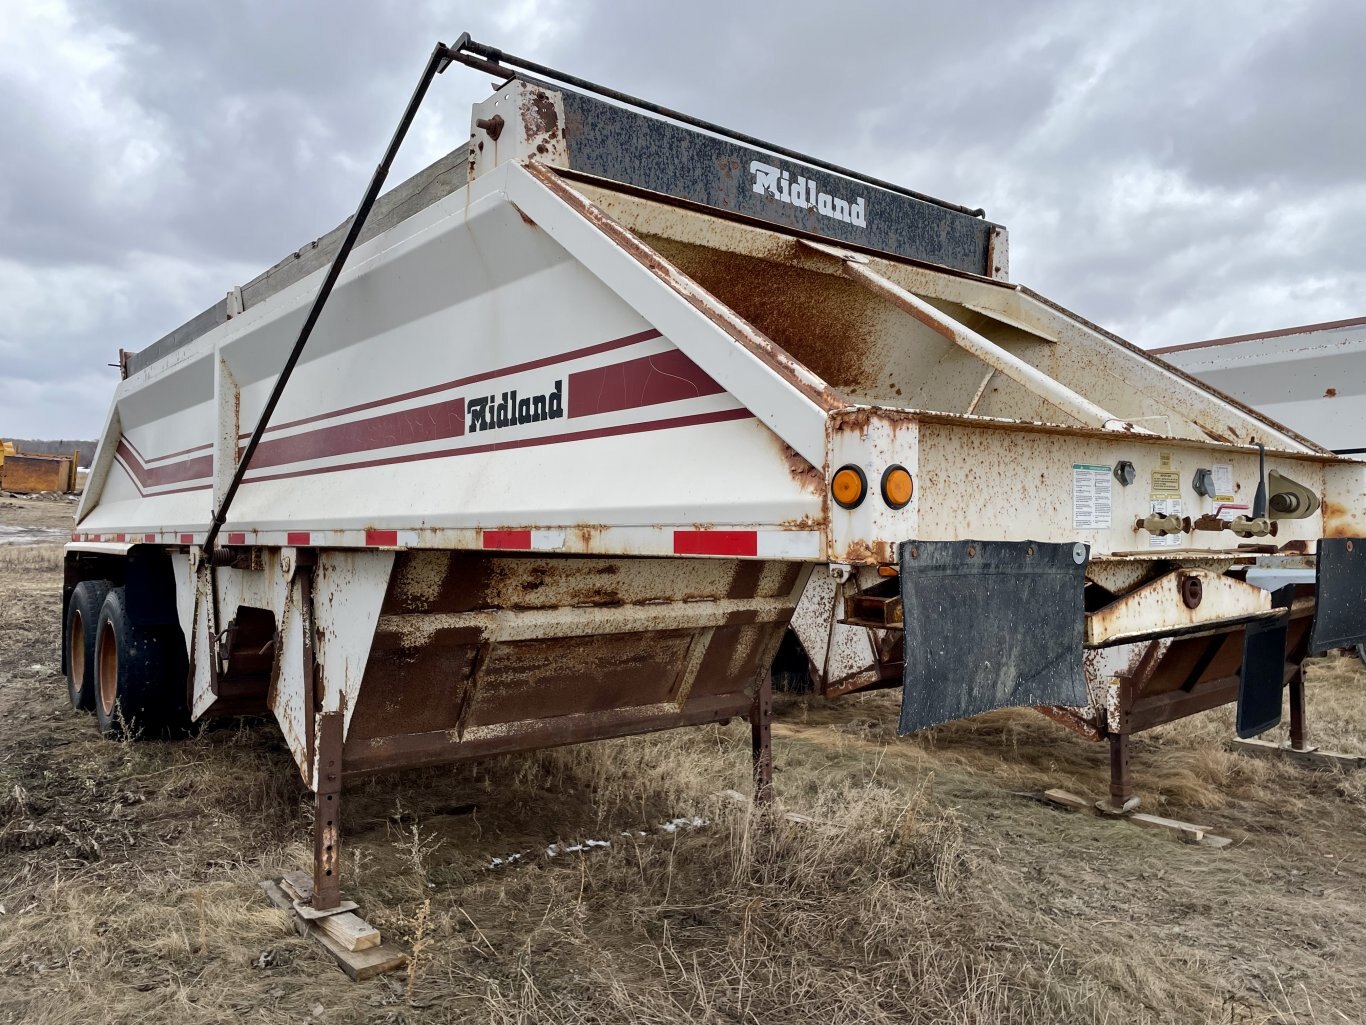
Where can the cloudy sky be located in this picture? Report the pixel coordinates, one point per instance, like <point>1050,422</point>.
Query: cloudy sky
<point>1172,171</point>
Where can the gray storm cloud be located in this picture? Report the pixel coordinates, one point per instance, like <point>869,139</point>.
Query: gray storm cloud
<point>1171,171</point>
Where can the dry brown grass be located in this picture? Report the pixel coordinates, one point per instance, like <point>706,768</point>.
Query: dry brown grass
<point>30,557</point>
<point>917,888</point>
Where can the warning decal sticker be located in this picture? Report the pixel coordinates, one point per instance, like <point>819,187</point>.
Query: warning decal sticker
<point>1090,497</point>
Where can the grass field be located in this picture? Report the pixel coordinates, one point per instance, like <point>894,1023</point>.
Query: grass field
<point>918,887</point>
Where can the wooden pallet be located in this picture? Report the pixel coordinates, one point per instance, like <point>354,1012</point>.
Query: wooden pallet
<point>354,944</point>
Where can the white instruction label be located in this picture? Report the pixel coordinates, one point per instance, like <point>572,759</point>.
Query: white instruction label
<point>1223,482</point>
<point>1166,507</point>
<point>1090,497</point>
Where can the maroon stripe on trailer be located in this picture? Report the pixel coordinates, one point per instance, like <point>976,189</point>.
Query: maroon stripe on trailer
<point>488,375</point>
<point>237,539</point>
<point>298,537</point>
<point>169,473</point>
<point>716,542</point>
<point>169,455</point>
<point>382,538</point>
<point>554,439</point>
<point>515,540</point>
<point>129,469</point>
<point>647,381</point>
<point>148,538</point>
<point>438,421</point>
<point>187,539</point>
<point>118,537</point>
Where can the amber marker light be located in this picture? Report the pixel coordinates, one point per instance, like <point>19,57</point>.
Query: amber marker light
<point>897,486</point>
<point>849,486</point>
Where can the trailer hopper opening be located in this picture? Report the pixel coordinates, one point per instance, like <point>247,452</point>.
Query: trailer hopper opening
<point>556,464</point>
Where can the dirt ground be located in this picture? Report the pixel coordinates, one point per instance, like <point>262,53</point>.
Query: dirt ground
<point>919,885</point>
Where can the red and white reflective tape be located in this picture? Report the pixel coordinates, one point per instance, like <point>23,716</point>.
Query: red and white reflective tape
<point>721,543</point>
<point>523,540</point>
<point>761,544</point>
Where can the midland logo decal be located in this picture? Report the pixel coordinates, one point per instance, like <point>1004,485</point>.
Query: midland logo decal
<point>775,182</point>
<point>488,412</point>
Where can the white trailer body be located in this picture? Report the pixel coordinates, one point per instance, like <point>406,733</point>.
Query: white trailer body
<point>598,408</point>
<point>1312,378</point>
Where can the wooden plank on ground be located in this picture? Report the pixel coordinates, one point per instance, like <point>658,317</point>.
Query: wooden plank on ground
<point>310,912</point>
<point>298,884</point>
<point>363,964</point>
<point>1188,831</point>
<point>1310,757</point>
<point>350,930</point>
<point>1066,799</point>
<point>359,965</point>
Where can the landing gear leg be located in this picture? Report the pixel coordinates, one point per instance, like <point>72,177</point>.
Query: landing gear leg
<point>327,814</point>
<point>1299,739</point>
<point>1122,797</point>
<point>761,737</point>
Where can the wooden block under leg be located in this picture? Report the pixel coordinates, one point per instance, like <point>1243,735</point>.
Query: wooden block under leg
<point>357,964</point>
<point>309,912</point>
<point>298,884</point>
<point>350,930</point>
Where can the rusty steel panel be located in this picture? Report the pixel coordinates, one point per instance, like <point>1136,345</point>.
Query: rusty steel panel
<point>1178,602</point>
<point>439,747</point>
<point>475,654</point>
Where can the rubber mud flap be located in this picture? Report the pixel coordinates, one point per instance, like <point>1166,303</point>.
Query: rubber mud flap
<point>990,624</point>
<point>1261,679</point>
<point>1340,594</point>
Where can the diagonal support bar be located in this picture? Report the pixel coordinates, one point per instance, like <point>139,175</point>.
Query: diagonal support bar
<point>1005,363</point>
<point>438,62</point>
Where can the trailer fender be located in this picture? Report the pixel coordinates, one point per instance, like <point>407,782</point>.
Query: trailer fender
<point>990,624</point>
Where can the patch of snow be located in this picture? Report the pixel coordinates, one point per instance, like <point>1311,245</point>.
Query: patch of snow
<point>674,825</point>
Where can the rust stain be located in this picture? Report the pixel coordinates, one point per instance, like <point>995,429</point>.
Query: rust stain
<point>809,477</point>
<point>1340,520</point>
<point>827,324</point>
<point>1068,717</point>
<point>538,115</point>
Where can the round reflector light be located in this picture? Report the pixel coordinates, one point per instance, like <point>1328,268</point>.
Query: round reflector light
<point>849,486</point>
<point>897,486</point>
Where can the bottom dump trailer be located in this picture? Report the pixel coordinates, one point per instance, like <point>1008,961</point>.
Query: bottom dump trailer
<point>565,437</point>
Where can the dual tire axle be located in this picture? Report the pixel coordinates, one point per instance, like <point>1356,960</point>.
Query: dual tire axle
<point>131,675</point>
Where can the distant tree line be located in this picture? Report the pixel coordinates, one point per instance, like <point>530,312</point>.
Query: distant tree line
<point>60,446</point>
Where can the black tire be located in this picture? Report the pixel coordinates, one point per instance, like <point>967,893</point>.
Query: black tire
<point>791,666</point>
<point>140,674</point>
<point>1361,652</point>
<point>82,617</point>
